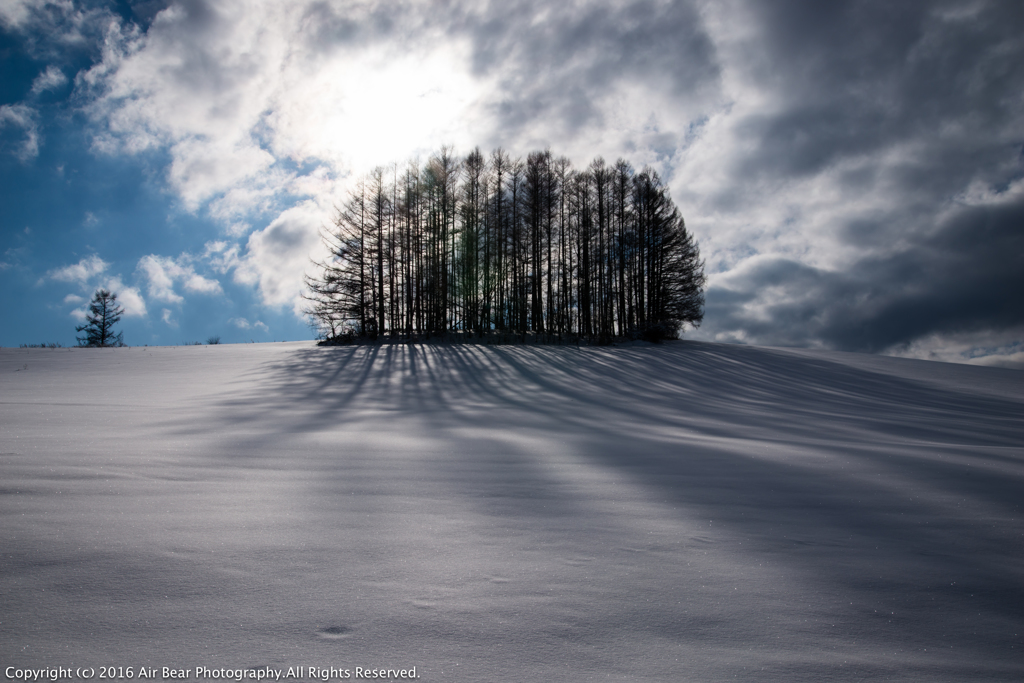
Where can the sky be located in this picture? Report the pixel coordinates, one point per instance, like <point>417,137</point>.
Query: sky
<point>853,171</point>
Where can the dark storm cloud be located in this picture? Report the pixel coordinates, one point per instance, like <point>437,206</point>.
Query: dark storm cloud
<point>916,103</point>
<point>859,77</point>
<point>967,277</point>
<point>555,59</point>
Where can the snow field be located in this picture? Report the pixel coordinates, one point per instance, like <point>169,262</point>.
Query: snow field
<point>667,513</point>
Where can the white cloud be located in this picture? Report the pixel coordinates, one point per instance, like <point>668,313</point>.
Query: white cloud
<point>197,283</point>
<point>202,169</point>
<point>24,117</point>
<point>89,275</point>
<point>242,95</point>
<point>277,256</point>
<point>49,28</point>
<point>243,324</point>
<point>130,298</point>
<point>162,272</point>
<point>1009,359</point>
<point>51,79</point>
<point>1003,349</point>
<point>15,13</point>
<point>199,91</point>
<point>221,256</point>
<point>80,272</point>
<point>161,282</point>
<point>165,315</point>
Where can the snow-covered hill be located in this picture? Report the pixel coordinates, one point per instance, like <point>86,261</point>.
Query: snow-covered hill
<point>668,513</point>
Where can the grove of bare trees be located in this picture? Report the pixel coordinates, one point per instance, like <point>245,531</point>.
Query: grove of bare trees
<point>493,247</point>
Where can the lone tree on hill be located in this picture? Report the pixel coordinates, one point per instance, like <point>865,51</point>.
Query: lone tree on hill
<point>103,314</point>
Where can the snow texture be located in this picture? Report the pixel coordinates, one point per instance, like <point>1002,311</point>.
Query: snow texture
<point>685,512</point>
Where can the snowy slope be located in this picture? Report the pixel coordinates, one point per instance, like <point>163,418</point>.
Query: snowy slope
<point>667,513</point>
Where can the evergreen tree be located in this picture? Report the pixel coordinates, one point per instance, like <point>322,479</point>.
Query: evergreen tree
<point>104,313</point>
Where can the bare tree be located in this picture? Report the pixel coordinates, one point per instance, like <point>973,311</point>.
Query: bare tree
<point>503,246</point>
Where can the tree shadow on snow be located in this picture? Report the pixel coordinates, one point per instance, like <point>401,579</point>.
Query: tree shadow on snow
<point>914,484</point>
